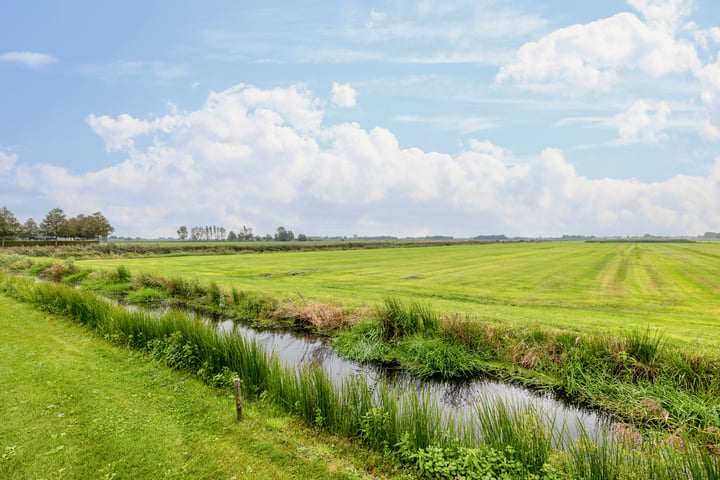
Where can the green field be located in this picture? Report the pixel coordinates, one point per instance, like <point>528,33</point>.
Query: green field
<point>584,287</point>
<point>75,406</point>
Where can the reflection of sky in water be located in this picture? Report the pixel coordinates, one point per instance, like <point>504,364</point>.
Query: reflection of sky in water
<point>460,399</point>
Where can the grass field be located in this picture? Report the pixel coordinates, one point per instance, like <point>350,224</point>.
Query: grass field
<point>583,287</point>
<point>74,406</point>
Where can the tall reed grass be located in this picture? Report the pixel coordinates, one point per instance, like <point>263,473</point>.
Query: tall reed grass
<point>404,424</point>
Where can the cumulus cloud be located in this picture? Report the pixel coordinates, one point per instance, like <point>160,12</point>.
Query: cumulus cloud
<point>264,157</point>
<point>592,55</point>
<point>28,59</point>
<point>7,161</point>
<point>642,122</point>
<point>710,79</point>
<point>663,14</point>
<point>343,95</point>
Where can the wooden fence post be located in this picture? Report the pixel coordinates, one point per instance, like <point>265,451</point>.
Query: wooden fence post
<point>238,399</point>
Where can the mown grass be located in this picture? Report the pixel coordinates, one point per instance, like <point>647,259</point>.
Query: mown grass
<point>584,288</point>
<point>74,406</point>
<point>635,376</point>
<point>404,425</point>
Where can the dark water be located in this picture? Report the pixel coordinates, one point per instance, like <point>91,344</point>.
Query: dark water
<point>460,399</point>
<point>457,399</point>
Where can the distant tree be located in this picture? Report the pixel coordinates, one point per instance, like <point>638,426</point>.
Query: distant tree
<point>182,233</point>
<point>97,226</point>
<point>196,233</point>
<point>220,233</point>
<point>9,225</point>
<point>283,235</point>
<point>268,237</point>
<point>302,237</point>
<point>53,223</point>
<point>72,228</point>
<point>232,237</point>
<point>30,229</point>
<point>245,234</point>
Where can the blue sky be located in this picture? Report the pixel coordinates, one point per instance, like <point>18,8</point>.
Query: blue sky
<point>430,117</point>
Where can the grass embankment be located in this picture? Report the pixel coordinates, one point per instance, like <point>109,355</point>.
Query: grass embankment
<point>584,288</point>
<point>643,375</point>
<point>74,406</point>
<point>407,428</point>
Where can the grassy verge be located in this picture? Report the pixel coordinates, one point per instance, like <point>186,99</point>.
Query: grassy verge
<point>405,427</point>
<point>74,406</point>
<point>636,376</point>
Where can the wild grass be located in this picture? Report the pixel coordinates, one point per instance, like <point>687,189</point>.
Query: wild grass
<point>397,320</point>
<point>403,423</point>
<point>571,286</point>
<point>75,406</point>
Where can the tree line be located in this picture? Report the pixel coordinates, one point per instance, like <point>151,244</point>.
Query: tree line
<point>55,225</point>
<point>245,234</point>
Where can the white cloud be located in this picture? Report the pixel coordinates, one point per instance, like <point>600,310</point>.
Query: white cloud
<point>7,161</point>
<point>704,37</point>
<point>462,125</point>
<point>28,59</point>
<point>118,133</point>
<point>343,95</point>
<point>259,156</point>
<point>592,55</point>
<point>710,79</point>
<point>663,14</point>
<point>642,122</point>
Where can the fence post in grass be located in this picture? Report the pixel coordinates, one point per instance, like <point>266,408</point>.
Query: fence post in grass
<point>238,399</point>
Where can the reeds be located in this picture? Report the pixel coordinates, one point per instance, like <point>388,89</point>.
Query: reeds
<point>402,422</point>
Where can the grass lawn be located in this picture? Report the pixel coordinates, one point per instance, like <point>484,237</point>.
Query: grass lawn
<point>73,405</point>
<point>584,287</point>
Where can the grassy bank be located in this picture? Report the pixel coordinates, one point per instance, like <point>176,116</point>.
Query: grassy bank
<point>74,406</point>
<point>637,376</point>
<point>584,288</point>
<point>406,428</point>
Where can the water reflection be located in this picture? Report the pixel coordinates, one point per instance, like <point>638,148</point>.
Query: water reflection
<point>461,399</point>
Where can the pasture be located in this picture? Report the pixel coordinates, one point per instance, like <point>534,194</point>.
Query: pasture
<point>671,288</point>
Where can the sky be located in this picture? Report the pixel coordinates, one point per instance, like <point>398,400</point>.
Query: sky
<point>405,118</point>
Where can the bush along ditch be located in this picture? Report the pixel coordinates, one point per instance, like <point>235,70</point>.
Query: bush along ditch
<point>406,426</point>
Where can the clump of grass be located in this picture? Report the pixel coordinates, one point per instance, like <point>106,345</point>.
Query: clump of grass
<point>120,274</point>
<point>318,315</point>
<point>15,263</point>
<point>398,320</point>
<point>146,295</point>
<point>56,270</point>
<point>364,343</point>
<point>435,357</point>
<point>522,428</point>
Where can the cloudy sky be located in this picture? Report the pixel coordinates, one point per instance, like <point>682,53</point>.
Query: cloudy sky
<point>454,117</point>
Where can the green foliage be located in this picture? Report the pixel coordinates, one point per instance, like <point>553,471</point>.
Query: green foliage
<point>407,424</point>
<point>87,409</point>
<point>397,320</point>
<point>146,295</point>
<point>120,274</point>
<point>431,356</point>
<point>363,343</point>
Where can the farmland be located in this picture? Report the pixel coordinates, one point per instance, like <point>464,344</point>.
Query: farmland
<point>671,288</point>
<point>628,328</point>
